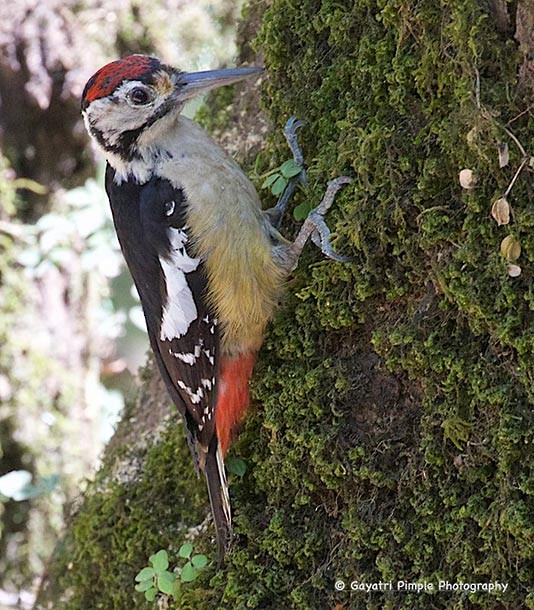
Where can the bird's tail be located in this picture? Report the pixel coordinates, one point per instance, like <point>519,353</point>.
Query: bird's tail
<point>219,498</point>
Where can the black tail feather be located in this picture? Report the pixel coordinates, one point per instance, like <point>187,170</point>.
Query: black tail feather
<point>219,499</point>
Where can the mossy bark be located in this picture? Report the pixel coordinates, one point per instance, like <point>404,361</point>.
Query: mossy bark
<point>391,433</point>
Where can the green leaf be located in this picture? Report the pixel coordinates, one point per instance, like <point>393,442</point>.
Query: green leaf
<point>150,594</point>
<point>236,466</point>
<point>145,585</point>
<point>290,168</point>
<point>269,180</point>
<point>145,574</point>
<point>177,589</point>
<point>199,561</point>
<point>189,573</point>
<point>160,561</point>
<point>279,186</point>
<point>185,550</point>
<point>166,582</point>
<point>301,211</point>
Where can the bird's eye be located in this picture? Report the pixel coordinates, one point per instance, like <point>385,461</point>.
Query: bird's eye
<point>139,96</point>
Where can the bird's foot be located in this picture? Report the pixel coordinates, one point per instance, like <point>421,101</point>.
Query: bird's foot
<point>290,132</point>
<point>315,227</point>
<point>276,213</point>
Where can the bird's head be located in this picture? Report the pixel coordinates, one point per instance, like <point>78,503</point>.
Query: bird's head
<point>134,98</point>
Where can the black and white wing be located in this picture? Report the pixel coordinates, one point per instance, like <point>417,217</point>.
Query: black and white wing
<point>184,335</point>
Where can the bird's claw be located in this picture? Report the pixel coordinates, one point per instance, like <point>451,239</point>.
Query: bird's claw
<point>293,124</point>
<point>276,213</point>
<point>290,131</point>
<point>315,227</point>
<point>321,238</point>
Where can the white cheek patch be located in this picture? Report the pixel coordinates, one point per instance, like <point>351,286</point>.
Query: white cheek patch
<point>180,309</point>
<point>114,117</point>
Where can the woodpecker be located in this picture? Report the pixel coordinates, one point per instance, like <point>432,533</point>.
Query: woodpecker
<point>209,265</point>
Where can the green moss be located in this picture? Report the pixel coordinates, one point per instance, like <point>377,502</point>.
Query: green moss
<point>393,433</point>
<point>129,513</point>
<point>213,115</point>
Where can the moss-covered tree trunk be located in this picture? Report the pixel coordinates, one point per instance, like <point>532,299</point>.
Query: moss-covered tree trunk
<point>391,435</point>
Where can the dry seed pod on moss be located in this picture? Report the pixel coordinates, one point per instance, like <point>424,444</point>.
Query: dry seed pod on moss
<point>504,155</point>
<point>500,210</point>
<point>510,248</point>
<point>514,270</point>
<point>467,179</point>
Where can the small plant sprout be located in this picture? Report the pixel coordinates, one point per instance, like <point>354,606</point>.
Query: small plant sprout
<point>278,178</point>
<point>195,563</point>
<point>236,466</point>
<point>157,578</point>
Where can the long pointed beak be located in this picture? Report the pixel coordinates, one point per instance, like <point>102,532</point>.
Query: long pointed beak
<point>192,84</point>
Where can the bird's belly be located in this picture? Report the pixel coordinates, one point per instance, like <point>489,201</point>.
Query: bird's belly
<point>229,234</point>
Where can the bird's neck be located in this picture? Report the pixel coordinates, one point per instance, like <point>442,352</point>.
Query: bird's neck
<point>152,148</point>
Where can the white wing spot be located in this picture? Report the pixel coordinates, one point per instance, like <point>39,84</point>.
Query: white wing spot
<point>190,358</point>
<point>187,358</point>
<point>211,358</point>
<point>206,383</point>
<point>195,397</point>
<point>169,208</point>
<point>180,309</point>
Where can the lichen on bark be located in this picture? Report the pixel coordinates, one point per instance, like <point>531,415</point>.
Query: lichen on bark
<point>391,435</point>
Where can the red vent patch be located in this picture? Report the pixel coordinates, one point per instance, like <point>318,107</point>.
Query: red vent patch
<point>110,76</point>
<point>233,399</point>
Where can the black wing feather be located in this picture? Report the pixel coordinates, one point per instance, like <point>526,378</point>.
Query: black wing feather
<point>144,217</point>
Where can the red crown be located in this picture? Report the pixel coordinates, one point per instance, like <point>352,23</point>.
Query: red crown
<point>109,77</point>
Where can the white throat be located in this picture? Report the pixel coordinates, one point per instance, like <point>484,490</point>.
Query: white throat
<point>152,148</point>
